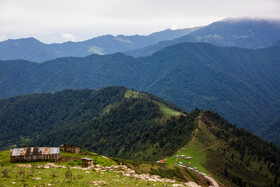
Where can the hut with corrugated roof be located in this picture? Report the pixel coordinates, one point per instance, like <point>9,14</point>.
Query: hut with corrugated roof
<point>87,162</point>
<point>30,154</point>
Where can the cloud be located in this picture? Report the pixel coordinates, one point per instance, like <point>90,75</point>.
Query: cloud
<point>3,37</point>
<point>69,37</point>
<point>89,18</point>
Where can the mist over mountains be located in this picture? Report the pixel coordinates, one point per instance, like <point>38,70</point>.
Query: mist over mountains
<point>33,50</point>
<point>244,33</point>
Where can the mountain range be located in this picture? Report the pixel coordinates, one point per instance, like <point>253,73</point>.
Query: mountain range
<point>241,84</point>
<point>123,123</point>
<point>33,50</point>
<point>244,33</point>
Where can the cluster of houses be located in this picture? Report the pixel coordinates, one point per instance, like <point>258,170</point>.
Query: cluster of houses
<point>31,154</point>
<point>182,165</point>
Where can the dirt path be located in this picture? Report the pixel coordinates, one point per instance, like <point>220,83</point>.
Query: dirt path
<point>184,174</point>
<point>208,147</point>
<point>175,163</point>
<point>193,138</point>
<point>212,181</point>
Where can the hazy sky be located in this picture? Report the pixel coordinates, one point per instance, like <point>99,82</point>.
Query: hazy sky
<point>63,20</point>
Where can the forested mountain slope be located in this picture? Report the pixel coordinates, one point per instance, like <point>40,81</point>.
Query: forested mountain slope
<point>113,121</point>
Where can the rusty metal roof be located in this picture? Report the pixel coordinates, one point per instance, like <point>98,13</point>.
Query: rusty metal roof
<point>34,151</point>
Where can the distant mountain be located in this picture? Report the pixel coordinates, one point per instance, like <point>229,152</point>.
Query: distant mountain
<point>244,33</point>
<point>149,50</point>
<point>123,123</point>
<point>34,50</point>
<point>26,48</point>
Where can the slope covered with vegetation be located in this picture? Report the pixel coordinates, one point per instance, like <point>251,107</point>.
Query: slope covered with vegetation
<point>134,125</point>
<point>234,156</point>
<point>26,117</point>
<point>113,121</point>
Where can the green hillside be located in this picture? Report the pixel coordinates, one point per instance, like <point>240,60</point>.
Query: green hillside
<point>105,171</point>
<point>126,124</point>
<point>114,121</point>
<point>233,156</point>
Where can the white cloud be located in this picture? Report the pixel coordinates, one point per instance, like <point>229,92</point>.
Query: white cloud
<point>3,37</point>
<point>69,37</point>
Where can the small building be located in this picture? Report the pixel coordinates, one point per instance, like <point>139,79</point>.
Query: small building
<point>31,154</point>
<point>87,162</point>
<point>71,148</point>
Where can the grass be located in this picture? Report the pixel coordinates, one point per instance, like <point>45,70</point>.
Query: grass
<point>132,94</point>
<point>198,157</point>
<point>12,175</point>
<point>97,159</point>
<point>197,150</point>
<point>57,177</point>
<point>168,112</point>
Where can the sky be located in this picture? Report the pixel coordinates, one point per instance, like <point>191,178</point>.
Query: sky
<point>56,21</point>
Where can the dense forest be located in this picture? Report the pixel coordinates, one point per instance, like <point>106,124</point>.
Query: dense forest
<point>106,121</point>
<point>134,129</point>
<point>24,118</point>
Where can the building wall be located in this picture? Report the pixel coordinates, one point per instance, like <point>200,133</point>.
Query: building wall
<point>71,148</point>
<point>30,158</point>
<point>87,163</point>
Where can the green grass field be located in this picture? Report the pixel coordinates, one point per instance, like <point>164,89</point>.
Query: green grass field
<point>168,112</point>
<point>64,177</point>
<point>11,175</point>
<point>196,150</point>
<point>198,157</point>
